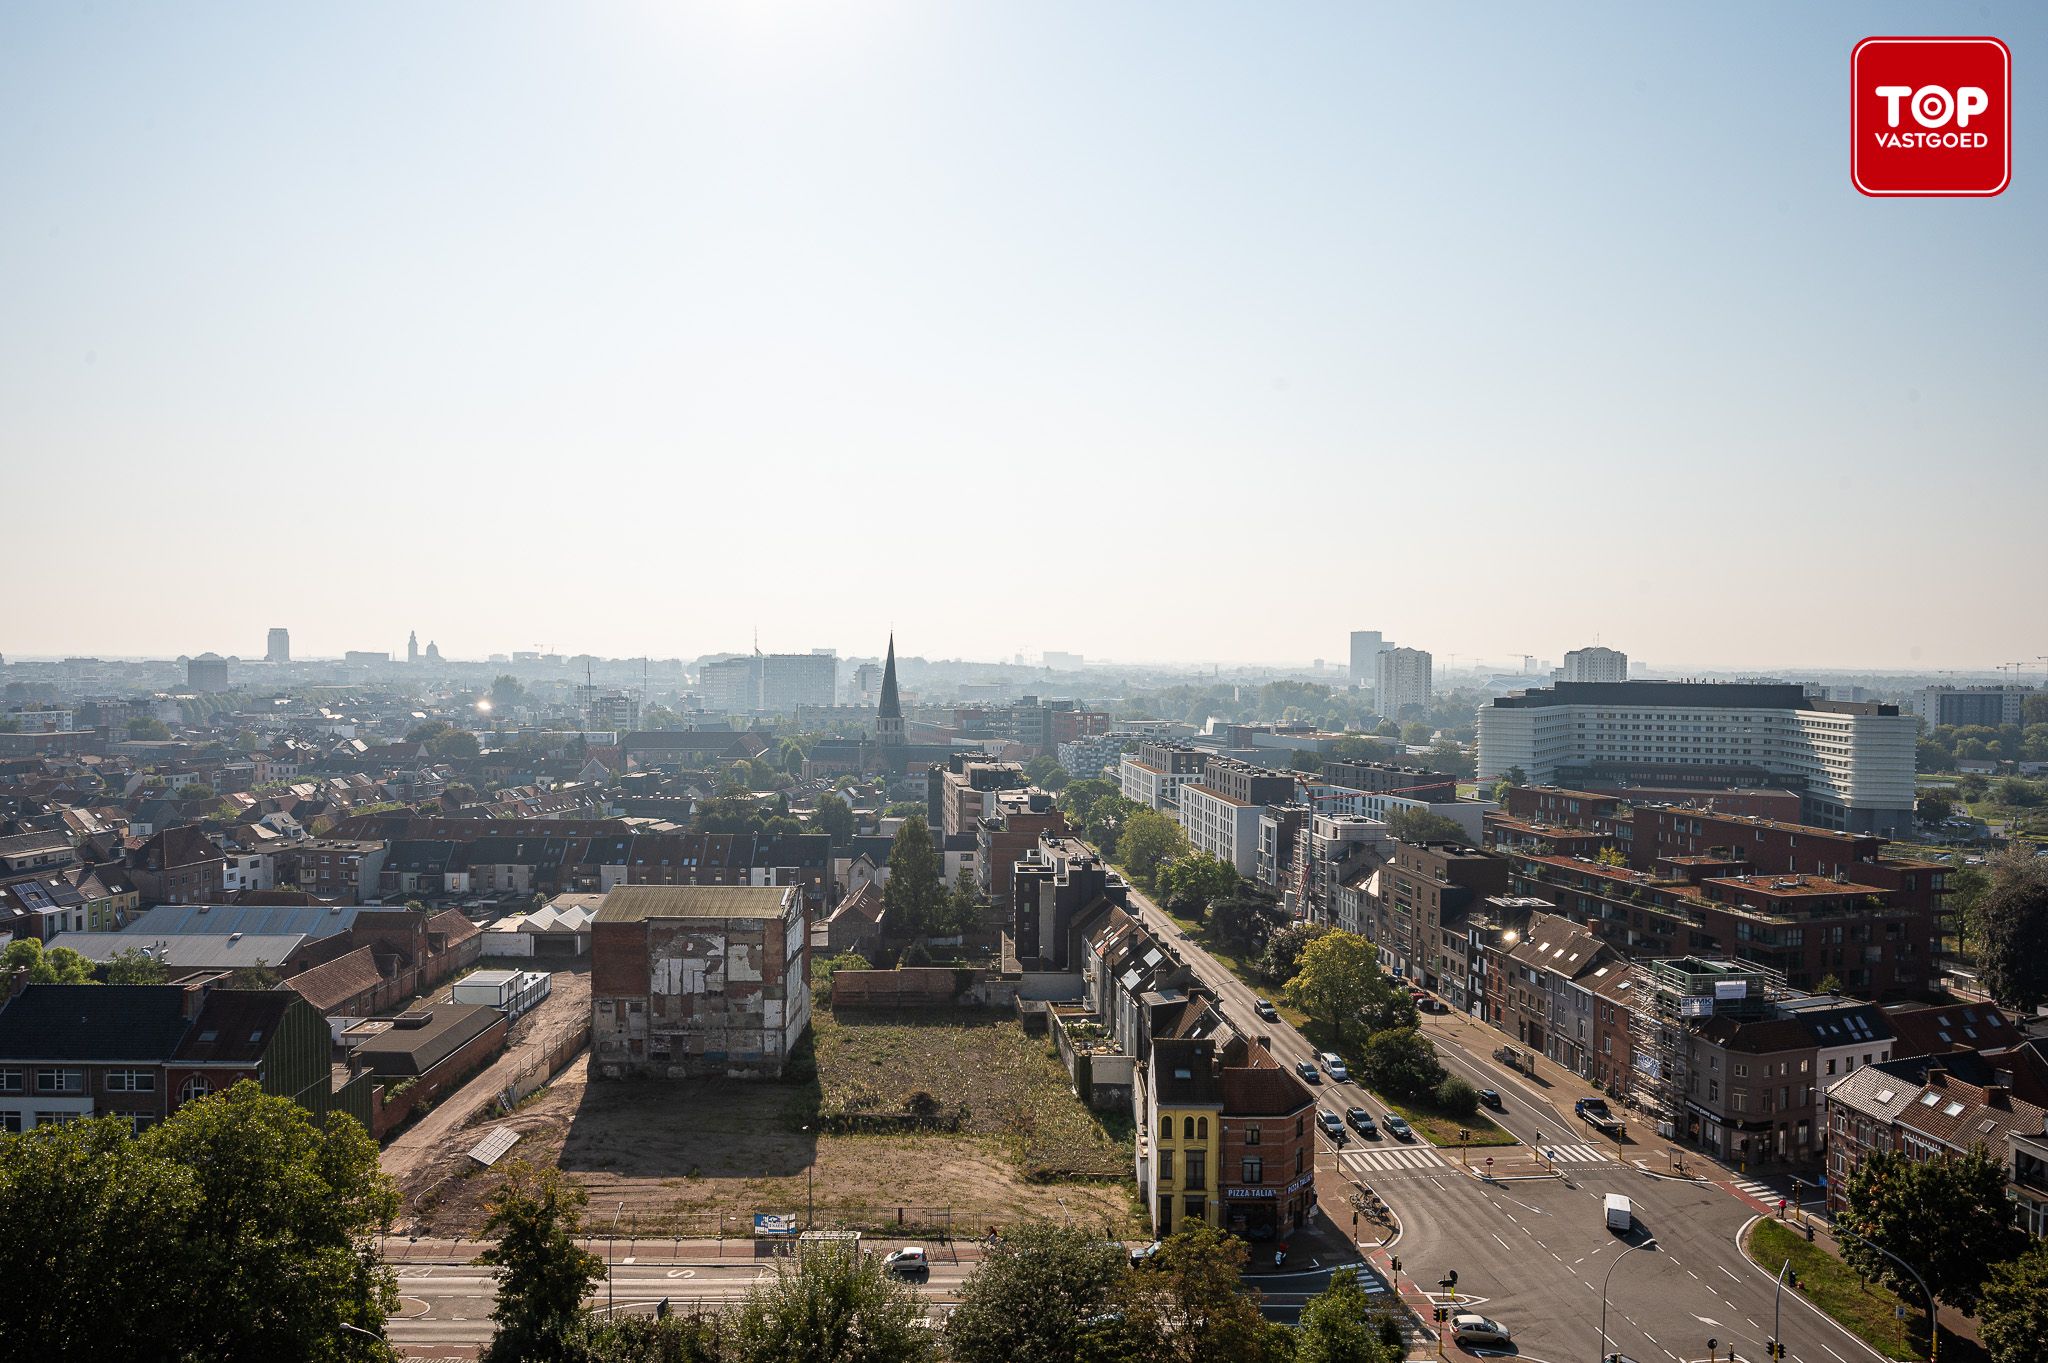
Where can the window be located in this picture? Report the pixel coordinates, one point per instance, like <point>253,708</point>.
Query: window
<point>60,1081</point>
<point>1187,1128</point>
<point>1252,1135</point>
<point>10,1123</point>
<point>1166,1166</point>
<point>131,1081</point>
<point>1166,1128</point>
<point>1197,1175</point>
<point>10,1081</point>
<point>1254,1169</point>
<point>194,1089</point>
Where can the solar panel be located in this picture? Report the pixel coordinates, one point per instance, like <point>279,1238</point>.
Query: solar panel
<point>492,1148</point>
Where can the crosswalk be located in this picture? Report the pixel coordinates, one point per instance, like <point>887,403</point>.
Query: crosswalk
<point>1396,1157</point>
<point>1762,1192</point>
<point>1576,1154</point>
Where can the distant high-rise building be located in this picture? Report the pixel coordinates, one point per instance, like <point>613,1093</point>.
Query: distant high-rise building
<point>1366,647</point>
<point>867,679</point>
<point>1401,678</point>
<point>280,647</point>
<point>1990,706</point>
<point>618,711</point>
<point>412,647</point>
<point>1063,662</point>
<point>1595,664</point>
<point>207,672</point>
<point>774,682</point>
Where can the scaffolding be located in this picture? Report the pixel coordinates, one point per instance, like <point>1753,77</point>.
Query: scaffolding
<point>1668,1000</point>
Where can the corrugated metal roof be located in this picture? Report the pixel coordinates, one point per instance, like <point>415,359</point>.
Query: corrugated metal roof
<point>635,903</point>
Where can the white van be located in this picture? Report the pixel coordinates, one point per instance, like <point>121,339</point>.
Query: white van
<point>1333,1065</point>
<point>1621,1214</point>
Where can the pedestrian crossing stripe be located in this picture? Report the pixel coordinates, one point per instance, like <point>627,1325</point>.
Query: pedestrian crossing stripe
<point>1757,1190</point>
<point>1407,1157</point>
<point>1576,1154</point>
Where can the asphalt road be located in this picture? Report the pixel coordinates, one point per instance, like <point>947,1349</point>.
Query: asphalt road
<point>1533,1252</point>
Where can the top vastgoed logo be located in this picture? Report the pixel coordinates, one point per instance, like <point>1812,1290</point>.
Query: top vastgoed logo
<point>1930,117</point>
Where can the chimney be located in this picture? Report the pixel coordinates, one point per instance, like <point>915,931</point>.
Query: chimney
<point>194,1000</point>
<point>1937,1077</point>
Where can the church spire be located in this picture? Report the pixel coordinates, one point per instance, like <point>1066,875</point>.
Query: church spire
<point>889,716</point>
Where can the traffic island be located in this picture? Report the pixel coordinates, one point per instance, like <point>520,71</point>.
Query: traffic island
<point>1877,1316</point>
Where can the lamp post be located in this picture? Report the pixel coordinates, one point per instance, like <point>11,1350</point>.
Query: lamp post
<point>1604,1340</point>
<point>810,1204</point>
<point>1933,1324</point>
<point>611,1249</point>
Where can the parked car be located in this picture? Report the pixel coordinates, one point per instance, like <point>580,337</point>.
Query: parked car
<point>1396,1127</point>
<point>908,1262</point>
<point>1333,1065</point>
<point>1430,1003</point>
<point>1332,1127</point>
<point>1265,1009</point>
<point>1469,1327</point>
<point>1308,1072</point>
<point>1362,1122</point>
<point>1491,1098</point>
<point>1144,1254</point>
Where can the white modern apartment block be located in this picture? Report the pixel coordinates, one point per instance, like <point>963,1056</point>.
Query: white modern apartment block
<point>1401,678</point>
<point>1366,647</point>
<point>1851,761</point>
<point>1596,664</point>
<point>1154,774</point>
<point>1226,829</point>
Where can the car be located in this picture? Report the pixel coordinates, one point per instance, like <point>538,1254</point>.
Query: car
<point>1333,1065</point>
<point>1491,1098</point>
<point>1362,1122</point>
<point>1144,1254</point>
<point>1265,1009</point>
<point>1308,1072</point>
<point>1430,1003</point>
<point>1396,1127</point>
<point>1332,1127</point>
<point>908,1262</point>
<point>1469,1327</point>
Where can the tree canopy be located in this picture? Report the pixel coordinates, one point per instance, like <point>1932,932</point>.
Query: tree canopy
<point>916,896</point>
<point>1188,885</point>
<point>1148,840</point>
<point>1337,1326</point>
<point>834,817</point>
<point>1417,826</point>
<point>543,1275</point>
<point>2014,1310</point>
<point>1030,1299</point>
<point>237,1229</point>
<point>2011,924</point>
<point>832,1306</point>
<point>61,965</point>
<point>1948,1217</point>
<point>1402,1062</point>
<point>1336,979</point>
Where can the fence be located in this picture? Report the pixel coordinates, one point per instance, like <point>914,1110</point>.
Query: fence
<point>532,1078</point>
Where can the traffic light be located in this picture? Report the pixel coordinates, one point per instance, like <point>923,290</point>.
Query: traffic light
<point>1395,1263</point>
<point>1443,1313</point>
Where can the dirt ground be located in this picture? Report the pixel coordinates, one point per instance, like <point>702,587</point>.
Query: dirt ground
<point>698,1158</point>
<point>438,1142</point>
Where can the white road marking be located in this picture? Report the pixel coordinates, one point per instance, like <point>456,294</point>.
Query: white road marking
<point>1497,1240</point>
<point>1723,1268</point>
<point>1844,1360</point>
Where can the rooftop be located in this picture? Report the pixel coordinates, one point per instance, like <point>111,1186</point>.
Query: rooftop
<point>637,903</point>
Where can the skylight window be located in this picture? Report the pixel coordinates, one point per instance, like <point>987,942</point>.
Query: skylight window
<point>1886,1095</point>
<point>1952,1109</point>
<point>1929,1098</point>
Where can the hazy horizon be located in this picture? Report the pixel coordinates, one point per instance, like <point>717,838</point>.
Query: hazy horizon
<point>628,330</point>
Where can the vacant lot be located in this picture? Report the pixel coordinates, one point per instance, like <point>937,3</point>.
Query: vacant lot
<point>700,1157</point>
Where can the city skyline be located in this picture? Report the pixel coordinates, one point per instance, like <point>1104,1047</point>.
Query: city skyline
<point>557,313</point>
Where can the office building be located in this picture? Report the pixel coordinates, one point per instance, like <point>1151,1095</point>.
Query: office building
<point>279,647</point>
<point>1991,706</point>
<point>1402,679</point>
<point>207,672</point>
<point>1220,812</point>
<point>1596,665</point>
<point>1852,763</point>
<point>1155,773</point>
<point>1366,647</point>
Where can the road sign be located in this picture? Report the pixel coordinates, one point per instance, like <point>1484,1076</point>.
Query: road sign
<point>1489,1161</point>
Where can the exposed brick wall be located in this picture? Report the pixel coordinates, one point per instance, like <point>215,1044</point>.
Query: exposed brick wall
<point>387,1114</point>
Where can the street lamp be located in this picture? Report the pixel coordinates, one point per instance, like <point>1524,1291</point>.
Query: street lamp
<point>1604,1340</point>
<point>810,1204</point>
<point>1933,1324</point>
<point>611,1249</point>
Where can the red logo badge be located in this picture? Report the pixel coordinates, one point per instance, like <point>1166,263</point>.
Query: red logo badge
<point>1930,117</point>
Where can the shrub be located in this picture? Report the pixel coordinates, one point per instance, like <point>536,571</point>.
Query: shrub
<point>1456,1097</point>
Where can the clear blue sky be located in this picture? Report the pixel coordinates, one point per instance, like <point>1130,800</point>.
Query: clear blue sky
<point>1144,330</point>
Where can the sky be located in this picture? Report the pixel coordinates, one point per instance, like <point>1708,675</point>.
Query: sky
<point>1143,331</point>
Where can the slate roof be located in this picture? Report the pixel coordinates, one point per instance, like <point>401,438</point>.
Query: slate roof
<point>93,1022</point>
<point>1185,1072</point>
<point>415,1050</point>
<point>234,1026</point>
<point>1944,1028</point>
<point>190,950</point>
<point>1256,1086</point>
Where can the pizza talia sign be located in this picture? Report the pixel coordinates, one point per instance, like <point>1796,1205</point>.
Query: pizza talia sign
<point>1930,117</point>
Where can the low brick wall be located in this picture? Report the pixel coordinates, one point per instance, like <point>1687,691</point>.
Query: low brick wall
<point>387,1114</point>
<point>922,986</point>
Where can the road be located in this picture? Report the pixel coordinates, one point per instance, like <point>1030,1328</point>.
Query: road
<point>1530,1247</point>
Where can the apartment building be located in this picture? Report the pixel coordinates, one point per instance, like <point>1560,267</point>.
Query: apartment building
<point>1402,679</point>
<point>1154,774</point>
<point>1220,812</point>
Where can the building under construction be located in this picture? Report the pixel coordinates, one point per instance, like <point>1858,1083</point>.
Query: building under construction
<point>1668,1001</point>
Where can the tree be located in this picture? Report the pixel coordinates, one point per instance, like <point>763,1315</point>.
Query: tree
<point>1415,733</point>
<point>543,1275</point>
<point>1147,841</point>
<point>1401,1062</point>
<point>136,966</point>
<point>1417,826</point>
<point>1189,884</point>
<point>1610,856</point>
<point>1948,1217</point>
<point>1046,773</point>
<point>506,692</point>
<point>1456,1098</point>
<point>694,1338</point>
<point>916,896</point>
<point>1337,977</point>
<point>1934,808</point>
<point>1356,748</point>
<point>2014,1311</point>
<point>454,745</point>
<point>1077,801</point>
<point>2011,919</point>
<point>1337,1327</point>
<point>148,729</point>
<point>1032,1296</point>
<point>2016,791</point>
<point>1284,948</point>
<point>833,817</point>
<point>1189,1305</point>
<point>964,904</point>
<point>834,1305</point>
<point>59,966</point>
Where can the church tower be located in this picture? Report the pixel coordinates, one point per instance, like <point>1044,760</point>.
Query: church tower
<point>889,717</point>
<point>412,647</point>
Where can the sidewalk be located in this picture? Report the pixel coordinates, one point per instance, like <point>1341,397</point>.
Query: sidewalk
<point>680,1252</point>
